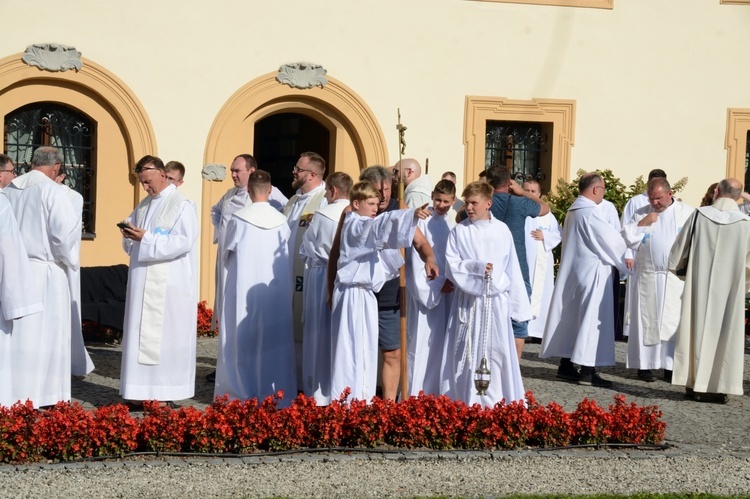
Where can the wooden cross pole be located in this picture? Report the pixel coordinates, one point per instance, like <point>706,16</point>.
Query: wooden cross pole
<point>402,271</point>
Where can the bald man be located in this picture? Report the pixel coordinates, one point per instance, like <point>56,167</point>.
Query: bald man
<point>418,186</point>
<point>712,255</point>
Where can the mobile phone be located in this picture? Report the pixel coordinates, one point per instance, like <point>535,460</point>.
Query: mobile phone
<point>123,225</point>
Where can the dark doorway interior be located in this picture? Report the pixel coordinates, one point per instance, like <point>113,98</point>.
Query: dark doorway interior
<point>281,138</point>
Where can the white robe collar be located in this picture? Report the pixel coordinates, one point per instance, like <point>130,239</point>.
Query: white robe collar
<point>582,202</point>
<point>262,215</point>
<point>30,179</point>
<point>724,211</point>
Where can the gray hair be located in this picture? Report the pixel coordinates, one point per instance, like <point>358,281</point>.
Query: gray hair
<point>729,188</point>
<point>46,156</point>
<point>588,180</point>
<point>376,174</point>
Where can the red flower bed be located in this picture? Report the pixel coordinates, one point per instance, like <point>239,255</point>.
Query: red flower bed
<point>205,315</point>
<point>68,432</point>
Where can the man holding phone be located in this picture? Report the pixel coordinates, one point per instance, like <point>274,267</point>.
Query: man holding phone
<point>158,347</point>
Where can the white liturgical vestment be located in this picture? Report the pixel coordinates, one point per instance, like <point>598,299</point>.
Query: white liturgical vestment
<point>158,346</point>
<point>41,342</point>
<point>428,309</point>
<point>479,325</point>
<point>316,324</point>
<point>656,295</point>
<point>362,270</point>
<point>18,294</point>
<point>541,264</point>
<point>580,325</point>
<point>256,354</point>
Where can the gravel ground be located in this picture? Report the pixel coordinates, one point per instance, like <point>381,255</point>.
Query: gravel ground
<point>709,452</point>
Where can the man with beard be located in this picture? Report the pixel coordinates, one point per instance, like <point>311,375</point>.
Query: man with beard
<point>308,176</point>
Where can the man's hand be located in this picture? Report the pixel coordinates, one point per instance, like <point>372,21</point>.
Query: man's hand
<point>537,235</point>
<point>515,188</point>
<point>629,263</point>
<point>422,213</point>
<point>488,269</point>
<point>133,233</point>
<point>648,219</point>
<point>431,268</point>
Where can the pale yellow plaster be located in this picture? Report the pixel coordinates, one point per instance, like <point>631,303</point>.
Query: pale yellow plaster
<point>597,4</point>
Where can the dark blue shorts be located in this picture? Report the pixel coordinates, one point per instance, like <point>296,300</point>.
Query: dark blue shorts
<point>520,329</point>
<point>389,328</point>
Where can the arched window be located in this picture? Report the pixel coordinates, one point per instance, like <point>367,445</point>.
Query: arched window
<point>50,124</point>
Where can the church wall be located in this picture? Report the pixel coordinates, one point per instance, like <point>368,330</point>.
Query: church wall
<point>652,82</point>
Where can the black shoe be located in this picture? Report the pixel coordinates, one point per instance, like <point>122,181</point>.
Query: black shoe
<point>711,398</point>
<point>595,380</point>
<point>668,375</point>
<point>568,372</point>
<point>211,376</point>
<point>134,406</point>
<point>689,393</point>
<point>646,375</point>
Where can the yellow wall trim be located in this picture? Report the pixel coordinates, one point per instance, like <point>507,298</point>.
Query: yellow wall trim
<point>735,2</point>
<point>738,124</point>
<point>480,110</point>
<point>357,140</point>
<point>596,4</point>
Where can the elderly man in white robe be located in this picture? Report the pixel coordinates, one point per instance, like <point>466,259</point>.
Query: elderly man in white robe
<point>159,337</point>
<point>542,236</point>
<point>18,294</point>
<point>50,230</point>
<point>580,326</point>
<point>656,293</point>
<point>418,185</point>
<point>256,353</point>
<point>316,324</point>
<point>712,253</point>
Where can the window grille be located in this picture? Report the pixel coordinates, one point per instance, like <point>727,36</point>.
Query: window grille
<point>48,124</point>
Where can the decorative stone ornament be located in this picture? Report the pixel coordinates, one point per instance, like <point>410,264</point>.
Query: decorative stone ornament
<point>52,57</point>
<point>214,172</point>
<point>302,75</point>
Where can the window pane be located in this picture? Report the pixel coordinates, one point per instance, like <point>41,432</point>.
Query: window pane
<point>47,124</point>
<point>516,145</point>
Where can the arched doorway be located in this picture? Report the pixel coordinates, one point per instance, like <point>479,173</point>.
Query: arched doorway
<point>279,141</point>
<point>355,140</point>
<point>121,133</point>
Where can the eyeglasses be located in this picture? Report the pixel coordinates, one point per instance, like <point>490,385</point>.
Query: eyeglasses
<point>297,169</point>
<point>9,171</point>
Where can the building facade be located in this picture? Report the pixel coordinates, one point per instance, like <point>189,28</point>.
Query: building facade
<point>547,87</point>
